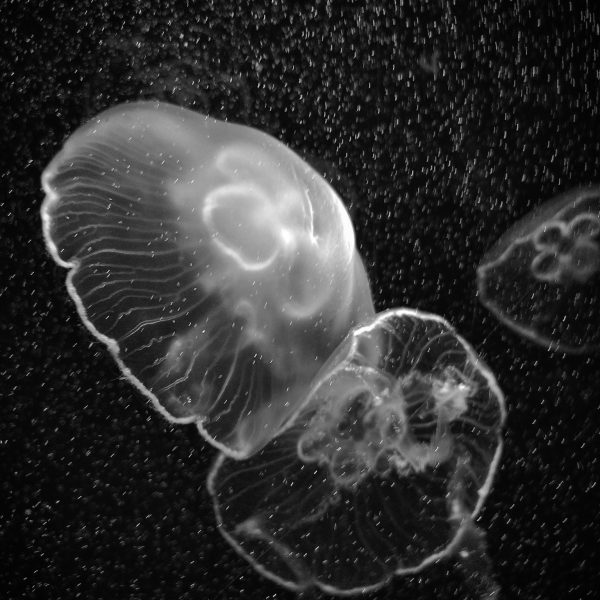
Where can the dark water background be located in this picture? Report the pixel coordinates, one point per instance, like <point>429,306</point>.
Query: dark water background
<point>441,123</point>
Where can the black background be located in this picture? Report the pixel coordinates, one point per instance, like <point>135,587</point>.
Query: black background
<point>100,497</point>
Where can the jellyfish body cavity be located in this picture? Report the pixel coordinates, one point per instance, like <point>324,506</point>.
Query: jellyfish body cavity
<point>392,455</point>
<point>217,266</point>
<point>542,277</point>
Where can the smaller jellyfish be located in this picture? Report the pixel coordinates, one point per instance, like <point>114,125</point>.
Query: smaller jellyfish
<point>542,277</point>
<point>217,266</point>
<point>382,471</point>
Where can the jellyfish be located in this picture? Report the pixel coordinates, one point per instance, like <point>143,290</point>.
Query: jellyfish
<point>219,269</point>
<point>542,277</point>
<point>383,470</point>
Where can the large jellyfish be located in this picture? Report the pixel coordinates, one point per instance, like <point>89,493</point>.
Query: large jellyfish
<point>383,470</point>
<point>218,268</point>
<point>542,277</point>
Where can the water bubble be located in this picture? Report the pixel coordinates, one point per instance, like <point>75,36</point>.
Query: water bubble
<point>383,470</point>
<point>542,277</point>
<point>218,267</point>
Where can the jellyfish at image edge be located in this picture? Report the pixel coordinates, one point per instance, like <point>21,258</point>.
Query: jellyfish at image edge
<point>218,268</point>
<point>381,473</point>
<point>542,277</point>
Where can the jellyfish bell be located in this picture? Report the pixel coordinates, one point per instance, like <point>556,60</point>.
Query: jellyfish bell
<point>542,277</point>
<point>218,267</point>
<point>381,472</point>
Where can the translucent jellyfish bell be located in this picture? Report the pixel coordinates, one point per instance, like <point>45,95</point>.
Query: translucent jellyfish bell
<point>218,267</point>
<point>542,277</point>
<point>383,470</point>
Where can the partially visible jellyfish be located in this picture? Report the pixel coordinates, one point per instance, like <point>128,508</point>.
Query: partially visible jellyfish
<point>383,470</point>
<point>218,267</point>
<point>542,277</point>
